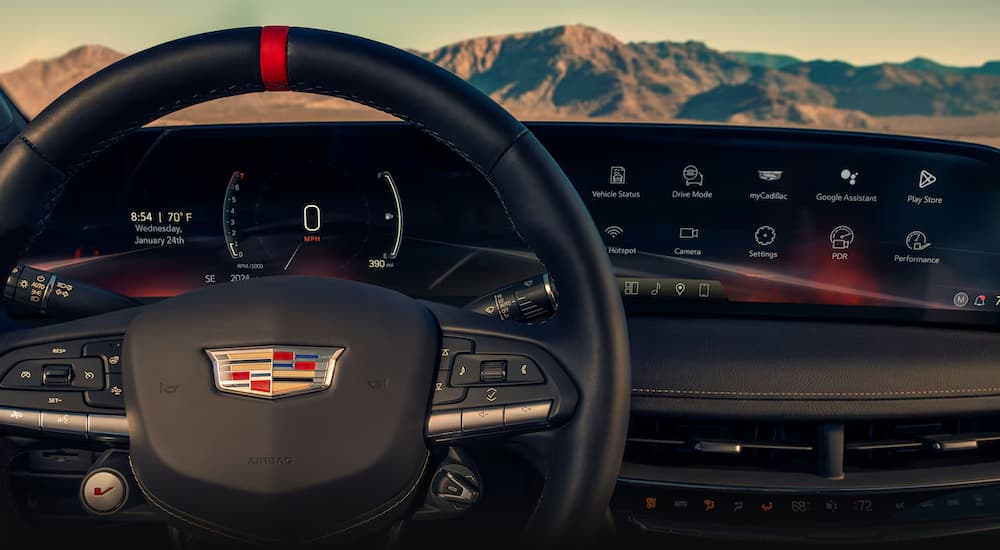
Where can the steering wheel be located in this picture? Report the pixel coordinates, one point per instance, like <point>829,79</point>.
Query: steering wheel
<point>352,454</point>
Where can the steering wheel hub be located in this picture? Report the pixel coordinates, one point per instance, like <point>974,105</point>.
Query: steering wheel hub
<point>293,469</point>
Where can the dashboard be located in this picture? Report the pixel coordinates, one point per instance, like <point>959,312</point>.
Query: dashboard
<point>745,423</point>
<point>698,220</point>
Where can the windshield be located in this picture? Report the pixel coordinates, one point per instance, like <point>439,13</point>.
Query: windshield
<point>905,67</point>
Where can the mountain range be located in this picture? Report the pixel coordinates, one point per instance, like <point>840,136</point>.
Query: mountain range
<point>579,72</point>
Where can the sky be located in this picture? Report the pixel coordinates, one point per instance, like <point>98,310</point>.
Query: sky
<point>954,32</point>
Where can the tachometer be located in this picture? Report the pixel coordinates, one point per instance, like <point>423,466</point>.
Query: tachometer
<point>308,223</point>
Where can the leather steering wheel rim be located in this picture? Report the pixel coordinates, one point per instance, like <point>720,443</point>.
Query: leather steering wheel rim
<point>584,455</point>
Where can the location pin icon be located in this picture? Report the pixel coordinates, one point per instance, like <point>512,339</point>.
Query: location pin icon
<point>679,287</point>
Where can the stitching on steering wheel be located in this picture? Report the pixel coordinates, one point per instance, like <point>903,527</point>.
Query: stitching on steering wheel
<point>193,99</point>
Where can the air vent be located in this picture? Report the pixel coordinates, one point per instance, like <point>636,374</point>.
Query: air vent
<point>921,443</point>
<point>750,445</point>
<point>827,449</point>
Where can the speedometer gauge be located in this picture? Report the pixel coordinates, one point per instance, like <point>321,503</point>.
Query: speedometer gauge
<point>301,223</point>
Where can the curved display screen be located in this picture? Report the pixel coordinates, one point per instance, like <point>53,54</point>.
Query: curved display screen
<point>822,221</point>
<point>696,220</point>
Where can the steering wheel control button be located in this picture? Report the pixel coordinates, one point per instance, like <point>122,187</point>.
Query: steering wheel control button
<point>57,375</point>
<point>110,351</point>
<point>482,419</point>
<point>526,413</point>
<point>445,394</point>
<point>88,374</point>
<point>444,423</point>
<point>465,371</point>
<point>106,426</point>
<point>103,492</point>
<point>451,347</point>
<point>66,423</point>
<point>493,372</point>
<point>495,369</point>
<point>17,418</point>
<point>23,376</point>
<point>523,370</point>
<point>111,397</point>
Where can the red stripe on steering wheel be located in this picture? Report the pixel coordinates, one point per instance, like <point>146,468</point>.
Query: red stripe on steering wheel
<point>274,58</point>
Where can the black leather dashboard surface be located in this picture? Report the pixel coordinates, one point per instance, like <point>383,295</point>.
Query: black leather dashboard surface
<point>761,368</point>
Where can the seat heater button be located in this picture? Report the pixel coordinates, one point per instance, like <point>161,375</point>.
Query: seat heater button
<point>526,413</point>
<point>106,425</point>
<point>103,492</point>
<point>482,419</point>
<point>444,423</point>
<point>64,423</point>
<point>18,418</point>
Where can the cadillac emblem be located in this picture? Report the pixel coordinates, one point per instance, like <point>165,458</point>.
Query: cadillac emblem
<point>273,372</point>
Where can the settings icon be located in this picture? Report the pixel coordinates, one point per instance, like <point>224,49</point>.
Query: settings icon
<point>765,235</point>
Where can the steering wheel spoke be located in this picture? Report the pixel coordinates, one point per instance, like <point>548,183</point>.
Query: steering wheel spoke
<point>65,381</point>
<point>495,379</point>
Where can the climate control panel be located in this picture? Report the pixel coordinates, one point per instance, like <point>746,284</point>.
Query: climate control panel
<point>820,515</point>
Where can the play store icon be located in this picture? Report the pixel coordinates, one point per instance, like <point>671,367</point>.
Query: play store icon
<point>926,179</point>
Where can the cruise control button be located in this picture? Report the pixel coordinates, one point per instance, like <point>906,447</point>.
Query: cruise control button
<point>107,426</point>
<point>88,373</point>
<point>444,423</point>
<point>64,423</point>
<point>17,418</point>
<point>24,375</point>
<point>526,413</point>
<point>482,419</point>
<point>57,375</point>
<point>451,347</point>
<point>523,370</point>
<point>444,394</point>
<point>465,370</point>
<point>112,397</point>
<point>103,492</point>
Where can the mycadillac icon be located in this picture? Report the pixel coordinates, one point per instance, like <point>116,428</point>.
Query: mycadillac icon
<point>275,371</point>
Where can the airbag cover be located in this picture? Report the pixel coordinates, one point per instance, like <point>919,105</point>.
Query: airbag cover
<point>285,470</point>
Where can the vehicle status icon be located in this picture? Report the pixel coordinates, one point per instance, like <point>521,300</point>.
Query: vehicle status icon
<point>617,175</point>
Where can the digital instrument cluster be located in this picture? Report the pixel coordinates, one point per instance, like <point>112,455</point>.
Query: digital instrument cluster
<point>696,220</point>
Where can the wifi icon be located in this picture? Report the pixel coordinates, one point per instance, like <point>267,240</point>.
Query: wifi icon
<point>613,231</point>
